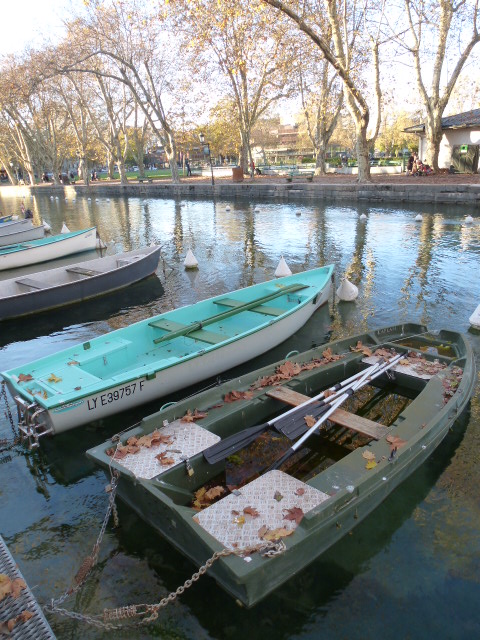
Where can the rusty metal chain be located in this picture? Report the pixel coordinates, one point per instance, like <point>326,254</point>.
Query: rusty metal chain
<point>5,444</point>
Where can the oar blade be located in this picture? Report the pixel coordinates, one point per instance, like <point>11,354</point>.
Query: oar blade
<point>228,446</point>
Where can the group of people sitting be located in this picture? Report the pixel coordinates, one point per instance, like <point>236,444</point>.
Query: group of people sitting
<point>416,167</point>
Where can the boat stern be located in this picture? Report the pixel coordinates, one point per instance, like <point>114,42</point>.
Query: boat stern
<point>33,421</point>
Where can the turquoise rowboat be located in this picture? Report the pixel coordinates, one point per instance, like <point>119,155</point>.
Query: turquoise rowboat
<point>157,356</point>
<point>268,515</point>
<point>22,254</point>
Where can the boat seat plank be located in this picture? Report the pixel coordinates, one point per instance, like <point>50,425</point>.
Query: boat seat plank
<point>82,271</point>
<point>266,310</point>
<point>198,334</point>
<point>30,282</point>
<point>339,417</point>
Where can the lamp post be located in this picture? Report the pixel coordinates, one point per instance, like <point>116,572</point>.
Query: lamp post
<point>207,146</point>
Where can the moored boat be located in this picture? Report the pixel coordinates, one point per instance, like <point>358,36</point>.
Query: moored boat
<point>160,355</point>
<point>382,402</point>
<point>53,288</point>
<point>25,253</point>
<point>15,232</point>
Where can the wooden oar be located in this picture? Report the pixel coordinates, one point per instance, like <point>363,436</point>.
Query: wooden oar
<point>237,441</point>
<point>195,326</point>
<point>358,384</point>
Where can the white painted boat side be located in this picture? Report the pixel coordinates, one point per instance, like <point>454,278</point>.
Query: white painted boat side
<point>140,391</point>
<point>42,253</point>
<point>22,235</point>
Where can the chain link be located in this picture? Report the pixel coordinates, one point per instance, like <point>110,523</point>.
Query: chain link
<point>4,443</point>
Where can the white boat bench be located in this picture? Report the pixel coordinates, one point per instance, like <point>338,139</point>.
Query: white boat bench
<point>82,271</point>
<point>31,283</point>
<point>198,334</point>
<point>340,417</point>
<point>266,310</point>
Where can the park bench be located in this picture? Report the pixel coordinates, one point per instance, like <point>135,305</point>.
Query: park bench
<point>145,179</point>
<point>296,175</point>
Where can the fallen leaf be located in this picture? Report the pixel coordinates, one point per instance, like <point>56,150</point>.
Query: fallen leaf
<point>240,520</point>
<point>5,586</point>
<point>233,396</point>
<point>295,514</point>
<point>275,534</point>
<point>262,531</point>
<point>196,415</point>
<point>24,377</point>
<point>25,615</point>
<point>368,455</point>
<point>278,496</point>
<point>309,421</point>
<point>251,511</point>
<point>72,362</point>
<point>17,585</point>
<point>300,491</point>
<point>164,460</point>
<point>371,464</point>
<point>54,378</point>
<point>214,492</point>
<point>395,441</point>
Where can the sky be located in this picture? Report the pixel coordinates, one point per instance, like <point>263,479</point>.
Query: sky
<point>30,21</point>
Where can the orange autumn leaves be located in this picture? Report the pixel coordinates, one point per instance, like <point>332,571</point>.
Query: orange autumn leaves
<point>12,588</point>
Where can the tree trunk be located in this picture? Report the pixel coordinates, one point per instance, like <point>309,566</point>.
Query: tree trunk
<point>433,135</point>
<point>320,166</point>
<point>122,172</point>
<point>171,151</point>
<point>363,152</point>
<point>244,151</point>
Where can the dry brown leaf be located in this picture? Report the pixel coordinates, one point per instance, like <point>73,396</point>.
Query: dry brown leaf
<point>5,586</point>
<point>275,534</point>
<point>72,362</point>
<point>295,514</point>
<point>309,421</point>
<point>233,396</point>
<point>24,377</point>
<point>54,378</point>
<point>368,455</point>
<point>277,496</point>
<point>251,511</point>
<point>300,491</point>
<point>395,441</point>
<point>196,415</point>
<point>164,459</point>
<point>214,492</point>
<point>17,585</point>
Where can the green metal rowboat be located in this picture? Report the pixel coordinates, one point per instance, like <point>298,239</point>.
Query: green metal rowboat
<point>157,356</point>
<point>401,388</point>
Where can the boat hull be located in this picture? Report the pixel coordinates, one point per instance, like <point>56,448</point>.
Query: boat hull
<point>351,490</point>
<point>55,247</point>
<point>22,235</point>
<point>49,296</point>
<point>126,368</point>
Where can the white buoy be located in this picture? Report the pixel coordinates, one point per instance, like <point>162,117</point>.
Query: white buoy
<point>347,291</point>
<point>190,261</point>
<point>46,226</point>
<point>418,218</point>
<point>475,318</point>
<point>89,199</point>
<point>51,197</point>
<point>282,269</point>
<point>298,213</point>
<point>468,220</point>
<point>363,217</point>
<point>97,200</point>
<point>227,208</point>
<point>64,228</point>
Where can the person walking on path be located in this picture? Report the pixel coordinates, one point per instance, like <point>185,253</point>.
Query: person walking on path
<point>189,171</point>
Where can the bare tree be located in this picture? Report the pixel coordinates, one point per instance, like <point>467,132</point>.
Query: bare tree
<point>441,36</point>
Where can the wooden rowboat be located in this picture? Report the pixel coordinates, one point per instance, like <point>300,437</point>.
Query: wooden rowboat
<point>20,231</point>
<point>401,388</point>
<point>21,296</point>
<point>160,355</point>
<point>51,248</point>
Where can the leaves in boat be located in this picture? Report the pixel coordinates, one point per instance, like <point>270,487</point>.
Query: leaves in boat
<point>24,377</point>
<point>361,348</point>
<point>73,362</point>
<point>369,455</point>
<point>309,421</point>
<point>9,587</point>
<point>395,442</point>
<point>214,492</point>
<point>205,497</point>
<point>164,459</point>
<point>233,396</point>
<point>240,520</point>
<point>153,439</point>
<point>295,514</point>
<point>251,511</point>
<point>7,626</point>
<point>54,378</point>
<point>300,491</point>
<point>122,451</point>
<point>277,496</point>
<point>289,370</point>
<point>273,535</point>
<point>371,464</point>
<point>196,415</point>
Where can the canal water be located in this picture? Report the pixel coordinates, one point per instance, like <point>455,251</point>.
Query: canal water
<point>411,570</point>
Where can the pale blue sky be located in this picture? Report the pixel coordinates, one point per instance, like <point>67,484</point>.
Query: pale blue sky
<point>30,21</point>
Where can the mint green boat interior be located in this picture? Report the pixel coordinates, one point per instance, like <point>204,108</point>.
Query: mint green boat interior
<point>22,246</point>
<point>146,348</point>
<point>346,488</point>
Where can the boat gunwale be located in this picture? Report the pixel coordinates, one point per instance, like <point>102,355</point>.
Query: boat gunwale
<point>41,242</point>
<point>266,324</point>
